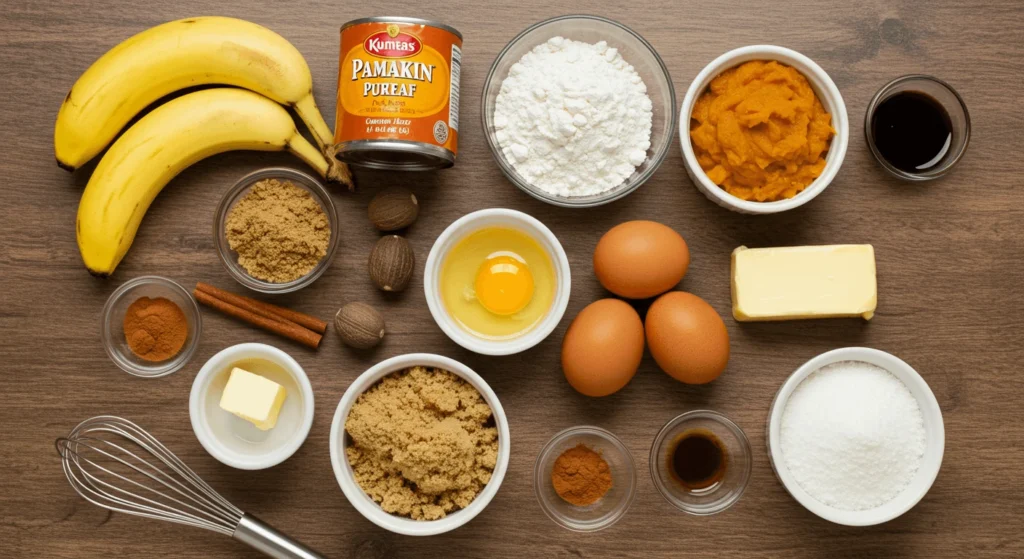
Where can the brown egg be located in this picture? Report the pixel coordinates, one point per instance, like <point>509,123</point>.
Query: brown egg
<point>640,259</point>
<point>603,347</point>
<point>687,338</point>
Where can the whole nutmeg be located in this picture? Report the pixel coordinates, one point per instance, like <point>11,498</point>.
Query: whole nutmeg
<point>359,325</point>
<point>391,263</point>
<point>393,209</point>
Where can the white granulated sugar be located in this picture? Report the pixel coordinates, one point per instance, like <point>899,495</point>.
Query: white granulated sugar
<point>572,118</point>
<point>852,435</point>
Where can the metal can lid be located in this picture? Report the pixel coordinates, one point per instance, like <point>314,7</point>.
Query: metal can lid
<point>399,19</point>
<point>394,155</point>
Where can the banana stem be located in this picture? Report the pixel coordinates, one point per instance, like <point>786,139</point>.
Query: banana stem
<point>330,169</point>
<point>310,114</point>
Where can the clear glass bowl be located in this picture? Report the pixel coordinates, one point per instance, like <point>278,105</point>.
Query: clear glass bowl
<point>112,326</point>
<point>606,511</point>
<point>722,494</point>
<point>235,193</point>
<point>954,106</point>
<point>635,50</point>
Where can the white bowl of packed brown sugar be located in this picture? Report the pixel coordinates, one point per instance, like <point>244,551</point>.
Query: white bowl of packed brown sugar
<point>276,230</point>
<point>460,458</point>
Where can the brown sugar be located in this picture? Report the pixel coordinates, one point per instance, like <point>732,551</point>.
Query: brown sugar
<point>279,231</point>
<point>423,443</point>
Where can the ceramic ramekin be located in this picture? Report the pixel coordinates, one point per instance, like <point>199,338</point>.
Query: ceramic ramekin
<point>489,218</point>
<point>213,426</point>
<point>343,471</point>
<point>826,91</point>
<point>935,438</point>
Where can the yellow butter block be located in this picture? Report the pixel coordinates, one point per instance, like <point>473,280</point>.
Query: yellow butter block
<point>792,283</point>
<point>254,398</point>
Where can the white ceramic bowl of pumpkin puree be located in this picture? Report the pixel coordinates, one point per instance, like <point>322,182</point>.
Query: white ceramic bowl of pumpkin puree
<point>824,89</point>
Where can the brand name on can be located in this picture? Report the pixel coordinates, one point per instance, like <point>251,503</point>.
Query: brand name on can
<point>385,46</point>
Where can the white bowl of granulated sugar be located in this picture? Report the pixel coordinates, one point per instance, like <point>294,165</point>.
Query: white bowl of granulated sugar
<point>856,436</point>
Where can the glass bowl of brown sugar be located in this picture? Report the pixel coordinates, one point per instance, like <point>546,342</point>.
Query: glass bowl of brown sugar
<point>585,479</point>
<point>276,230</point>
<point>150,326</point>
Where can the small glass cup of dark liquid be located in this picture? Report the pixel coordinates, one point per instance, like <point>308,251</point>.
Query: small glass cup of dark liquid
<point>701,462</point>
<point>917,127</point>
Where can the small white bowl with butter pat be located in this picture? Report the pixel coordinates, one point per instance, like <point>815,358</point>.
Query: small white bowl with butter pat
<point>251,406</point>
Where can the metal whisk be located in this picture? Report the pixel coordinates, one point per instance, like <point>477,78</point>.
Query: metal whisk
<point>115,464</point>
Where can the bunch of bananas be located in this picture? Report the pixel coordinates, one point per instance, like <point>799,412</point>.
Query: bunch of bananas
<point>271,73</point>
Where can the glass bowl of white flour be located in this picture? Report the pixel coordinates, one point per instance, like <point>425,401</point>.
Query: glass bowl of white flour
<point>578,111</point>
<point>856,436</point>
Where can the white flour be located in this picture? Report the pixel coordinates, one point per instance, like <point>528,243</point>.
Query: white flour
<point>572,118</point>
<point>852,435</point>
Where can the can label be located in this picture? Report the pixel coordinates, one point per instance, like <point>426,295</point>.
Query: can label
<point>399,81</point>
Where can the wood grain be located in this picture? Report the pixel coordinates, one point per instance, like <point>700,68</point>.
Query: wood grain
<point>948,254</point>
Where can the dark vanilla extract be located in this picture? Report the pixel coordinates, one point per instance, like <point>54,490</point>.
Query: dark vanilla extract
<point>697,460</point>
<point>912,131</point>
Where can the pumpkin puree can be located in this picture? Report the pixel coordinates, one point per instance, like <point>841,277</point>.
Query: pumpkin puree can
<point>398,94</point>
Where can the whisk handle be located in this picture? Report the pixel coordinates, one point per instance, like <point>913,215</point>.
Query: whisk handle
<point>262,537</point>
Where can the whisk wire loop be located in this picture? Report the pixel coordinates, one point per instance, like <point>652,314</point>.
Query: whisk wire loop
<point>117,478</point>
<point>115,464</point>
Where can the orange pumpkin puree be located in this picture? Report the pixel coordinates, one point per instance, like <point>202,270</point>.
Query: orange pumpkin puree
<point>760,132</point>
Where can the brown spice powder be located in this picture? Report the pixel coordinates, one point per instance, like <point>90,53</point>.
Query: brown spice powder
<point>423,443</point>
<point>155,329</point>
<point>581,476</point>
<point>279,231</point>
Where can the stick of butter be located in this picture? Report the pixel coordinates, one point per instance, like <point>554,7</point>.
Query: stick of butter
<point>792,283</point>
<point>253,398</point>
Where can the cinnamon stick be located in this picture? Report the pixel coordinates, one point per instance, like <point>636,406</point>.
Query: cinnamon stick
<point>265,309</point>
<point>284,328</point>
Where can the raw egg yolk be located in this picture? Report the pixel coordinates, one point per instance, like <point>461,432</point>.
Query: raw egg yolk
<point>504,284</point>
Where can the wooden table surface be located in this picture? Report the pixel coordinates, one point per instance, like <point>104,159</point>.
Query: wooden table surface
<point>949,274</point>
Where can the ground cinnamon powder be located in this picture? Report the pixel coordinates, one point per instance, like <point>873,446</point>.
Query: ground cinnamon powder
<point>279,231</point>
<point>580,476</point>
<point>155,329</point>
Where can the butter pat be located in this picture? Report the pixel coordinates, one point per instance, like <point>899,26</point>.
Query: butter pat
<point>792,283</point>
<point>253,398</point>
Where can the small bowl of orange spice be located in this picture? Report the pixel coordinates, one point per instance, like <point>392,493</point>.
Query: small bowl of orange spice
<point>150,326</point>
<point>585,479</point>
<point>763,130</point>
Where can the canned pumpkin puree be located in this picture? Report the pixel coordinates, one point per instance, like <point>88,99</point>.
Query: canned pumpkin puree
<point>398,94</point>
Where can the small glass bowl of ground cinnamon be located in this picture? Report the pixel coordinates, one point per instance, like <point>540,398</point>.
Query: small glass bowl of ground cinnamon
<point>150,326</point>
<point>585,479</point>
<point>276,230</point>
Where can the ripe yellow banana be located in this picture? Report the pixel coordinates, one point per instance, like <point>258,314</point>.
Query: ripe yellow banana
<point>165,142</point>
<point>171,57</point>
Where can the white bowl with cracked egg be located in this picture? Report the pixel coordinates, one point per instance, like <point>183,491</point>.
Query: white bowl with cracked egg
<point>635,50</point>
<point>823,87</point>
<point>935,438</point>
<point>496,217</point>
